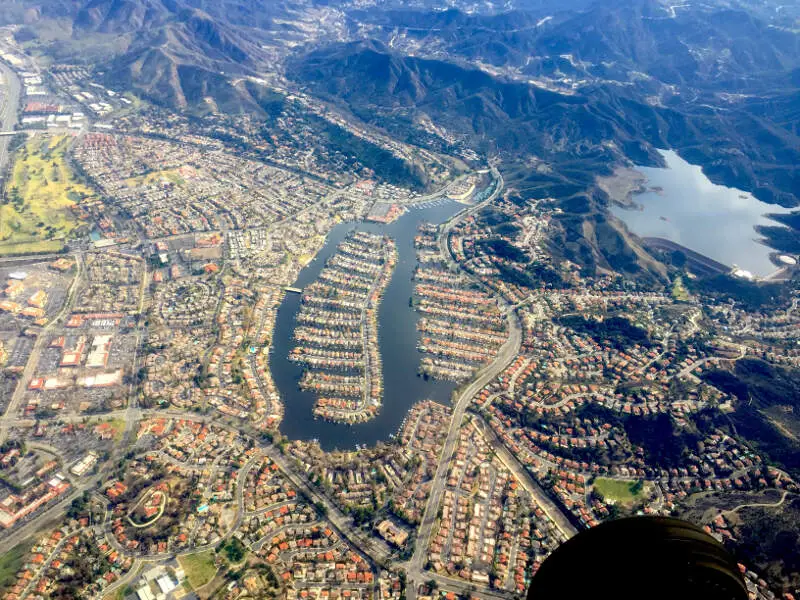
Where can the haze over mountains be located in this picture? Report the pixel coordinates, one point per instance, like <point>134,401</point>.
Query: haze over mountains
<point>717,85</point>
<point>243,237</point>
<point>578,84</point>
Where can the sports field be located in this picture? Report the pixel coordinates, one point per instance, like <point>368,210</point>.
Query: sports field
<point>621,492</point>
<point>199,568</point>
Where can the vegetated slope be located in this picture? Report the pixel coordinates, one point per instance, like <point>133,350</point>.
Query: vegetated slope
<point>768,538</point>
<point>180,63</point>
<point>120,16</point>
<point>722,78</point>
<point>751,146</point>
<point>497,115</point>
<point>716,81</point>
<point>769,397</point>
<point>185,57</point>
<point>704,45</point>
<point>170,51</point>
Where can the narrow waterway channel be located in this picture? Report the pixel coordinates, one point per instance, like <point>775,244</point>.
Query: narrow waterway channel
<point>397,338</point>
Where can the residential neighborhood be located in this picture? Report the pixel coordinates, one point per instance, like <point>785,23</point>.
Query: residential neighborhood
<point>306,358</point>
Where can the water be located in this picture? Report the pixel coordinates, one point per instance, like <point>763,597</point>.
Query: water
<point>711,219</point>
<point>397,337</point>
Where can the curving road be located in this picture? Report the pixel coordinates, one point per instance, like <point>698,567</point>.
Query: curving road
<point>757,505</point>
<point>504,358</point>
<point>369,547</point>
<point>507,353</point>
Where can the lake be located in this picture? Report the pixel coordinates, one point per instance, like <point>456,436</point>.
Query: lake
<point>397,338</point>
<point>711,219</point>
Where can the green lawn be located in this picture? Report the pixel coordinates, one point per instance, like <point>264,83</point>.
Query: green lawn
<point>39,247</point>
<point>621,492</point>
<point>199,568</point>
<point>36,212</point>
<point>11,562</point>
<point>118,425</point>
<point>679,291</point>
<point>155,177</point>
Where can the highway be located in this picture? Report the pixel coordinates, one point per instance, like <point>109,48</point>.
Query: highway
<point>467,589</point>
<point>50,515</point>
<point>8,110</point>
<point>9,261</point>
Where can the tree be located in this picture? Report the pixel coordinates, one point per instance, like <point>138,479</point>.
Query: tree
<point>362,515</point>
<point>234,550</point>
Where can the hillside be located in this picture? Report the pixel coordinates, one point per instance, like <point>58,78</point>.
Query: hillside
<point>581,85</point>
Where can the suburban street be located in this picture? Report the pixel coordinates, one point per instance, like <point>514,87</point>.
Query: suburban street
<point>271,327</point>
<point>41,342</point>
<point>415,567</point>
<point>522,475</point>
<point>509,350</point>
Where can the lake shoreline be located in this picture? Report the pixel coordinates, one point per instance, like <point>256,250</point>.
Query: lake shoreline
<point>682,205</point>
<point>397,340</point>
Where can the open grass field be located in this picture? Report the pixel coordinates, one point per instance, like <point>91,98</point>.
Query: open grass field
<point>199,568</point>
<point>621,492</point>
<point>679,291</point>
<point>155,177</point>
<point>35,215</point>
<point>36,247</point>
<point>11,562</point>
<point>118,595</point>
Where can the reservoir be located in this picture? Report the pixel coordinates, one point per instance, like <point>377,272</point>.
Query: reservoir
<point>711,219</point>
<point>397,339</point>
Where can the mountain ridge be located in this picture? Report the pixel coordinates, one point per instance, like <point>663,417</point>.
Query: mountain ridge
<point>523,118</point>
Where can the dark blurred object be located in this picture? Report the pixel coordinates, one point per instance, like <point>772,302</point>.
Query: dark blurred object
<point>643,558</point>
